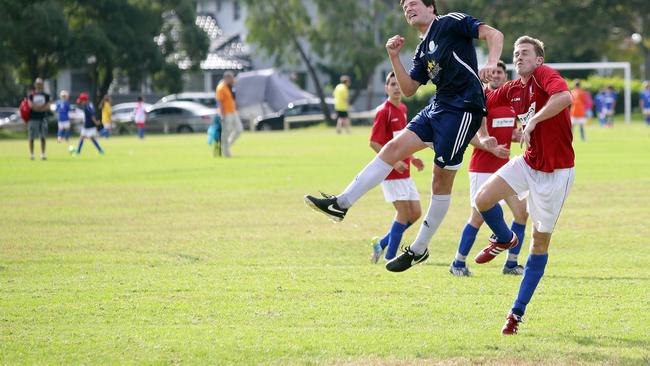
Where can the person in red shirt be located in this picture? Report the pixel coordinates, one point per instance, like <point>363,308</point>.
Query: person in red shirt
<point>501,124</point>
<point>544,173</point>
<point>399,188</point>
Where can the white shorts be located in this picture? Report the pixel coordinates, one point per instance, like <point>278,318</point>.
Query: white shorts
<point>64,125</point>
<point>88,132</point>
<point>646,111</point>
<point>107,125</point>
<point>578,120</point>
<point>400,190</point>
<point>546,191</point>
<point>476,181</point>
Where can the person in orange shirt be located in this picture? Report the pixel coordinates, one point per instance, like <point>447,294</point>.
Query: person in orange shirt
<point>231,124</point>
<point>578,108</point>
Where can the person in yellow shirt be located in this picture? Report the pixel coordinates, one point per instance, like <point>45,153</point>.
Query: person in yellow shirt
<point>107,111</point>
<point>231,124</point>
<point>341,105</point>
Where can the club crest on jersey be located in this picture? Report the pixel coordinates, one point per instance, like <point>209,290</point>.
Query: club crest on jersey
<point>432,47</point>
<point>433,69</point>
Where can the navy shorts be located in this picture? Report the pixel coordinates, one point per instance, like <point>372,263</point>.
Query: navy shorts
<point>447,131</point>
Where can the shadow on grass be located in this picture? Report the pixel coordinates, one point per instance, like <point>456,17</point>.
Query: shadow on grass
<point>599,278</point>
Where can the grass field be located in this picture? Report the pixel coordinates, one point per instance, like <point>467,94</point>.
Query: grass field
<point>157,253</point>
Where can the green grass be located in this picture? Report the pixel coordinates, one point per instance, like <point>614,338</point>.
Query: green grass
<point>157,253</point>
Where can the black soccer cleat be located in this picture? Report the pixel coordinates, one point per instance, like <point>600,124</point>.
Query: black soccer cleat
<point>326,205</point>
<point>406,260</point>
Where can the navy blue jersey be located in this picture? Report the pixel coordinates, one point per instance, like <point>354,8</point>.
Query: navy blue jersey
<point>89,113</point>
<point>447,57</point>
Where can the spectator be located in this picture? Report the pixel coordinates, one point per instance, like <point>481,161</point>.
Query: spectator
<point>39,103</point>
<point>232,126</point>
<point>341,104</point>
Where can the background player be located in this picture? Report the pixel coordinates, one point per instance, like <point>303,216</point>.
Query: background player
<point>89,129</point>
<point>501,124</point>
<point>644,101</point>
<point>399,188</point>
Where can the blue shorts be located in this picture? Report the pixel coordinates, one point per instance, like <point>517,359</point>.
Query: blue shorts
<point>447,131</point>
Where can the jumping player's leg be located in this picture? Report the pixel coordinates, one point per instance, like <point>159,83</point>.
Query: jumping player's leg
<point>408,212</point>
<point>336,207</point>
<point>451,131</point>
<point>405,144</point>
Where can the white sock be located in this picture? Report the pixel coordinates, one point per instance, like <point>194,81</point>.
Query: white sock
<point>513,257</point>
<point>460,257</point>
<point>373,174</point>
<point>437,211</point>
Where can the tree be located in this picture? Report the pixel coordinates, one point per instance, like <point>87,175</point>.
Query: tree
<point>282,29</point>
<point>35,35</point>
<point>573,31</point>
<point>351,36</point>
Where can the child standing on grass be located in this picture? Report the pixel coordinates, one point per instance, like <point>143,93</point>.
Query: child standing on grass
<point>89,129</point>
<point>63,114</point>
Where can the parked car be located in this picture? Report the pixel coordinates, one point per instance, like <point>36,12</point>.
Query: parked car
<point>125,112</point>
<point>301,113</point>
<point>179,117</point>
<point>10,120</point>
<point>205,98</point>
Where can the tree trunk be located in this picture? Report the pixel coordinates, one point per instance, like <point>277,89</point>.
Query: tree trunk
<point>314,76</point>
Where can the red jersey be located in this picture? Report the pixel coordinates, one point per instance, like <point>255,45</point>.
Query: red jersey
<point>501,121</point>
<point>389,122</point>
<point>550,142</point>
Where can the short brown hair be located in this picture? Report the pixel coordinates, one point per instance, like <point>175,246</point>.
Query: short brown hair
<point>426,3</point>
<point>390,75</point>
<point>502,65</point>
<point>539,45</point>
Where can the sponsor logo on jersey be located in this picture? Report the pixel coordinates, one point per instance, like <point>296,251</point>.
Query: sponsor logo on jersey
<point>503,122</point>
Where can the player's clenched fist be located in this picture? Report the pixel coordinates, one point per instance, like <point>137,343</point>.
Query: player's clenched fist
<point>394,45</point>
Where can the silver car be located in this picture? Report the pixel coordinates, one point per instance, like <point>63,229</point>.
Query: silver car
<point>10,120</point>
<point>179,117</point>
<point>125,112</point>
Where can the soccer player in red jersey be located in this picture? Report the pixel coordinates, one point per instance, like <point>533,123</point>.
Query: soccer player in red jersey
<point>544,173</point>
<point>399,188</point>
<point>501,124</point>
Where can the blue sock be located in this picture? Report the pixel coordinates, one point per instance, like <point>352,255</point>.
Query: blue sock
<point>141,132</point>
<point>66,134</point>
<point>384,241</point>
<point>520,231</point>
<point>465,244</point>
<point>97,145</point>
<point>396,232</point>
<point>81,144</point>
<point>647,120</point>
<point>59,133</point>
<point>532,274</point>
<point>494,218</point>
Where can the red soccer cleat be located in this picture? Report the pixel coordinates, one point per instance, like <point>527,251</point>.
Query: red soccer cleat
<point>512,324</point>
<point>491,251</point>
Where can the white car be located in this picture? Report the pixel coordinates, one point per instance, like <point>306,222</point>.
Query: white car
<point>125,112</point>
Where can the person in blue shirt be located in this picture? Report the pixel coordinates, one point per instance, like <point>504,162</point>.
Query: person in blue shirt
<point>610,105</point>
<point>89,129</point>
<point>644,101</point>
<point>446,57</point>
<point>63,114</point>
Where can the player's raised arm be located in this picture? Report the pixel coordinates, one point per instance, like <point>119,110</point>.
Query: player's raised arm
<point>406,84</point>
<point>494,40</point>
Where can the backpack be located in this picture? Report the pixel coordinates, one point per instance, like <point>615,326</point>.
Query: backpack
<point>25,110</point>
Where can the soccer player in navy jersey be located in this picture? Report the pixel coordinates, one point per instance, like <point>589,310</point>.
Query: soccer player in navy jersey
<point>544,173</point>
<point>445,56</point>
